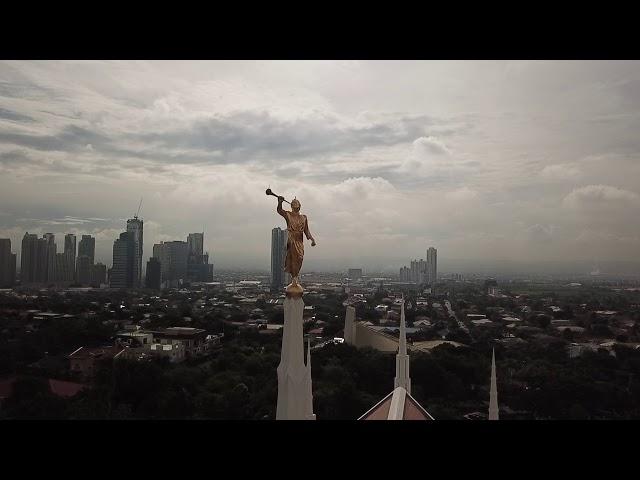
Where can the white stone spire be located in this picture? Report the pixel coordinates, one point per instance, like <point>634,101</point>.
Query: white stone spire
<point>402,359</point>
<point>493,394</point>
<point>292,372</point>
<point>309,389</point>
<point>349,326</point>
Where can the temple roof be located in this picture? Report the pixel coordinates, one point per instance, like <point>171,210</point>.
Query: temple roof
<point>398,405</point>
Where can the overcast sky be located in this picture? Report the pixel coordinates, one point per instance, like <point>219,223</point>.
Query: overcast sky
<point>487,161</point>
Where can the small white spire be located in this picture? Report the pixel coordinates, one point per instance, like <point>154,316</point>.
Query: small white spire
<point>402,359</point>
<point>493,394</point>
<point>310,414</point>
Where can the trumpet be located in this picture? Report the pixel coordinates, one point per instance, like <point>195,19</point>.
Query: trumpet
<point>269,192</point>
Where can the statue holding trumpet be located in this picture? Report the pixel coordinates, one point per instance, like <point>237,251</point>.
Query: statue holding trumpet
<point>297,225</point>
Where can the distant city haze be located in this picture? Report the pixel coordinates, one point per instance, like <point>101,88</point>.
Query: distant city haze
<point>513,165</point>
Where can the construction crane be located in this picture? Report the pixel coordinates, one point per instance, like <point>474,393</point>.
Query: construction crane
<point>138,212</point>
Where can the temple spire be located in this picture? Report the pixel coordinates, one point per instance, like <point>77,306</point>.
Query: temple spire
<point>309,390</point>
<point>493,394</point>
<point>402,359</point>
<point>292,372</point>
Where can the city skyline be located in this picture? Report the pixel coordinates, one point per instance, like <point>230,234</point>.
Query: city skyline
<point>527,162</point>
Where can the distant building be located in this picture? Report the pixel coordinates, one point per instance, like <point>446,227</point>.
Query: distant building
<point>195,340</point>
<point>98,274</point>
<point>198,267</point>
<point>87,246</point>
<point>432,266</point>
<point>405,274</point>
<point>355,273</point>
<point>153,278</point>
<point>70,258</point>
<point>47,260</point>
<point>173,257</point>
<point>83,361</point>
<point>29,259</point>
<point>135,227</point>
<point>83,270</point>
<point>278,254</point>
<point>123,259</point>
<point>7,264</point>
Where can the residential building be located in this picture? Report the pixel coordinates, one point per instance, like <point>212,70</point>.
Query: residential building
<point>29,259</point>
<point>7,264</point>
<point>98,274</point>
<point>70,258</point>
<point>135,227</point>
<point>87,247</point>
<point>432,266</point>
<point>173,258</point>
<point>83,361</point>
<point>122,271</point>
<point>83,267</point>
<point>198,267</point>
<point>153,277</point>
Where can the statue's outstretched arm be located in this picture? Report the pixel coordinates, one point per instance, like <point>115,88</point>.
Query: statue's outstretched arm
<point>308,233</point>
<point>280,209</point>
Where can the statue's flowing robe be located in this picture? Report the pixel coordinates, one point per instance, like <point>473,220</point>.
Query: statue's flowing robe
<point>297,225</point>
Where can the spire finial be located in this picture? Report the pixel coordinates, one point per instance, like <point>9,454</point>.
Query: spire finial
<point>494,412</point>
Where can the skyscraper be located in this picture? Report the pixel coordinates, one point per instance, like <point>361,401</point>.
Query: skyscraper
<point>47,264</point>
<point>153,278</point>
<point>98,274</point>
<point>432,265</point>
<point>86,257</point>
<point>198,267</point>
<point>173,258</point>
<point>70,257</point>
<point>278,254</point>
<point>29,259</point>
<point>87,246</point>
<point>7,264</point>
<point>123,261</point>
<point>83,266</point>
<point>134,226</point>
<point>195,242</point>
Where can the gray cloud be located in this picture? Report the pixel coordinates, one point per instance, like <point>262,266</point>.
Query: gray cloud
<point>14,116</point>
<point>489,161</point>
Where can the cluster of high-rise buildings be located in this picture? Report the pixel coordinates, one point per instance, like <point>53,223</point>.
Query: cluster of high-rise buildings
<point>175,262</point>
<point>172,263</point>
<point>422,271</point>
<point>41,263</point>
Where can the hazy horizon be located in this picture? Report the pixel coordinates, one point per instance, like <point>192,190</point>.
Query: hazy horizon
<point>497,164</point>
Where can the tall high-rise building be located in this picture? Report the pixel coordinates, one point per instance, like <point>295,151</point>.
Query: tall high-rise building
<point>405,274</point>
<point>70,256</point>
<point>123,261</point>
<point>47,263</point>
<point>432,265</point>
<point>173,258</point>
<point>278,254</point>
<point>195,241</point>
<point>7,264</point>
<point>198,267</point>
<point>98,274</point>
<point>86,257</point>
<point>134,226</point>
<point>83,267</point>
<point>29,258</point>
<point>61,271</point>
<point>87,246</point>
<point>154,274</point>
